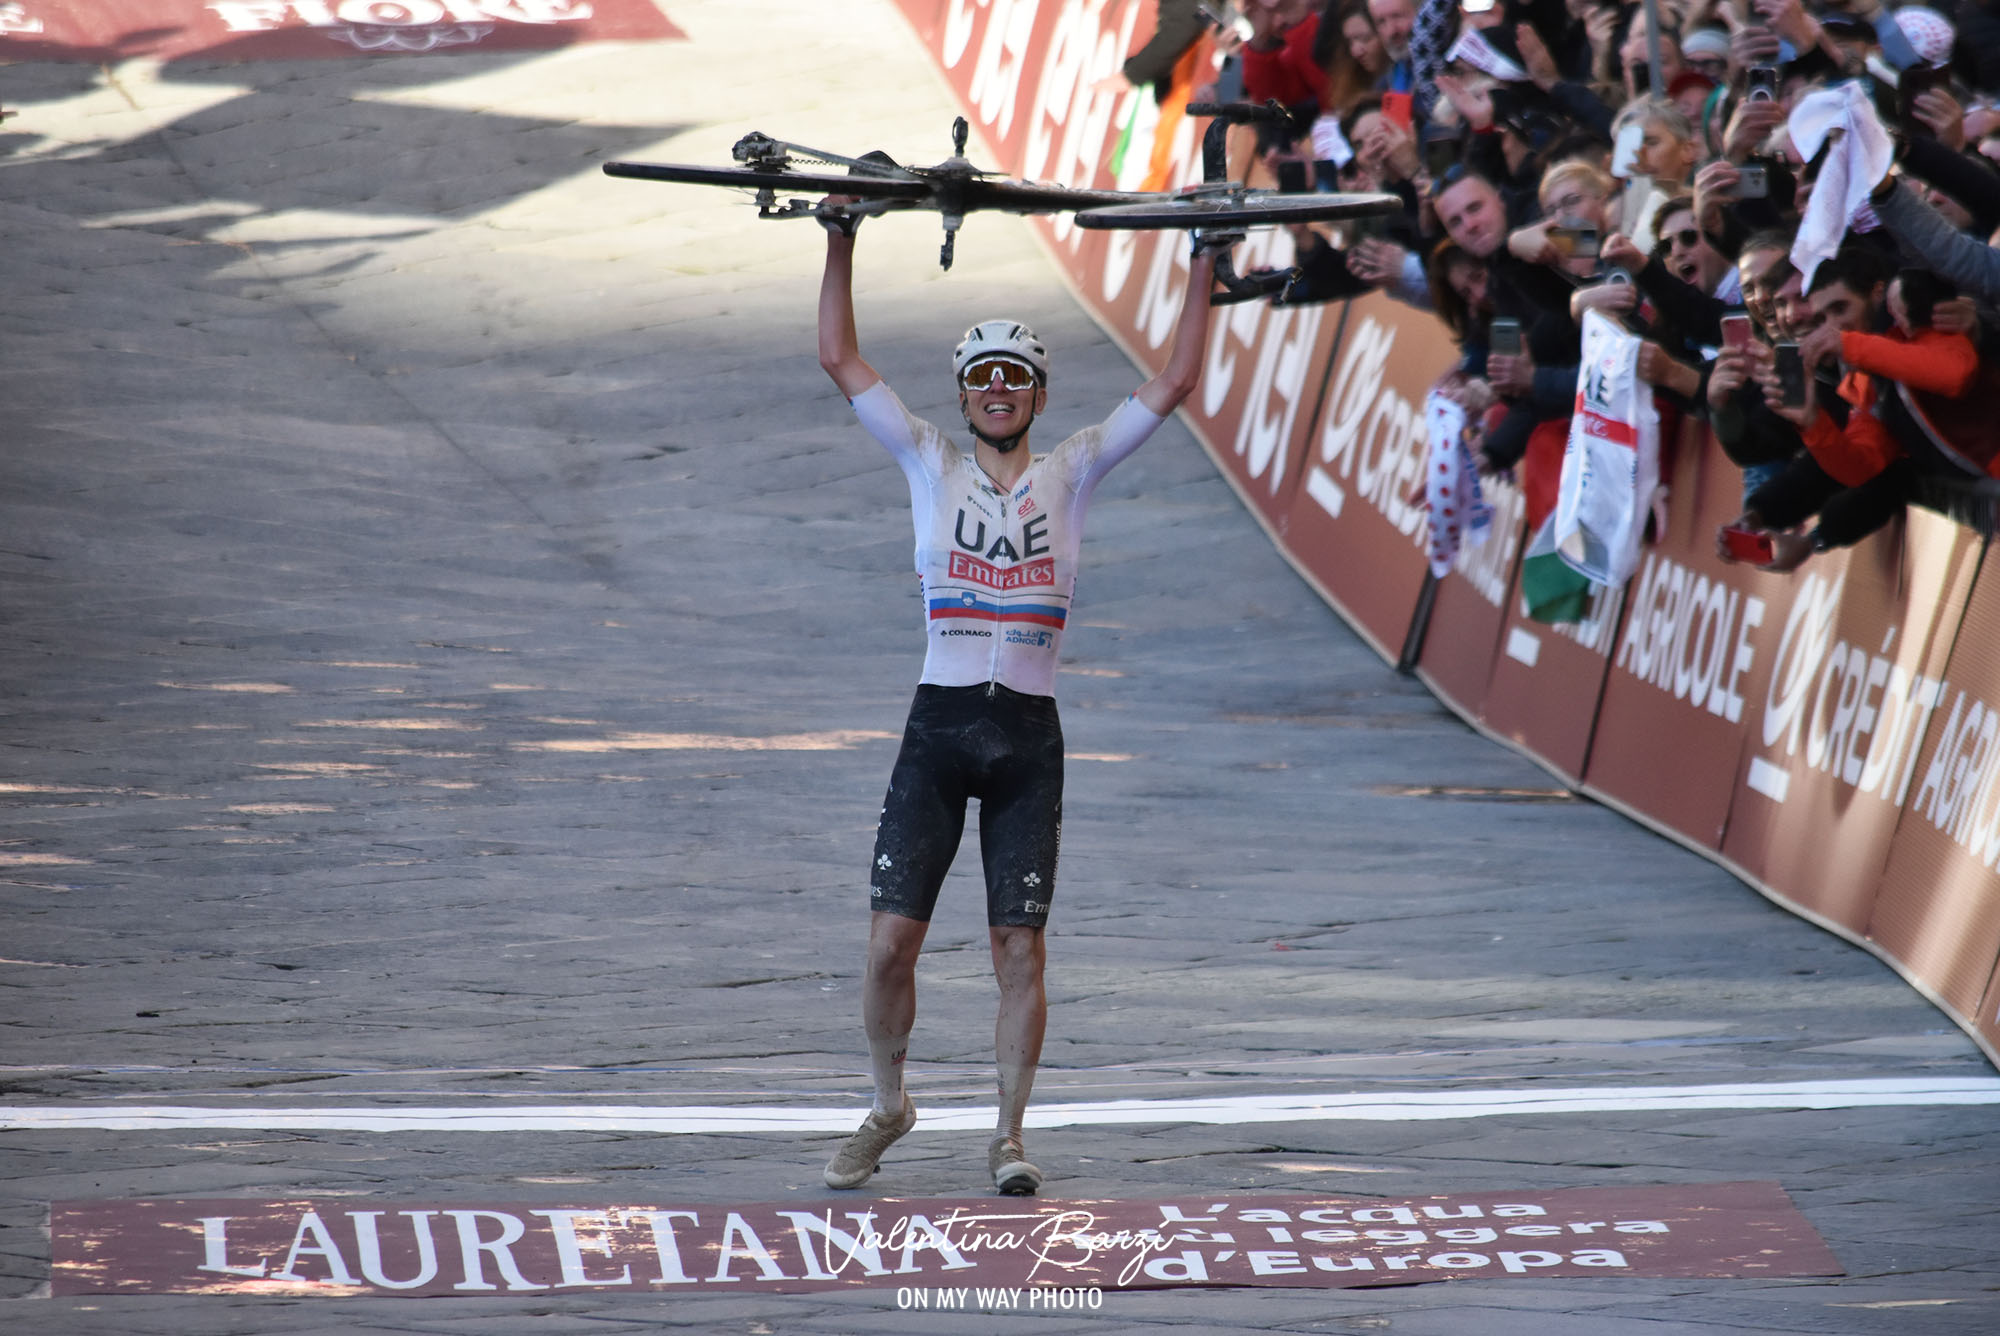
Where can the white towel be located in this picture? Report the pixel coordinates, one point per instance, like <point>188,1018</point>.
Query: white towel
<point>1329,144</point>
<point>1854,166</point>
<point>1458,509</point>
<point>1479,53</point>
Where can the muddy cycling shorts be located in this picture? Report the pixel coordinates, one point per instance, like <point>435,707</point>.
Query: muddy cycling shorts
<point>999,746</point>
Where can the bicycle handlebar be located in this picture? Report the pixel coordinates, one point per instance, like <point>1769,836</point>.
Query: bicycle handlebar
<point>1241,113</point>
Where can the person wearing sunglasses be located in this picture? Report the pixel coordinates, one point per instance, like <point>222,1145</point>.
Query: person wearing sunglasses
<point>997,531</point>
<point>1688,284</point>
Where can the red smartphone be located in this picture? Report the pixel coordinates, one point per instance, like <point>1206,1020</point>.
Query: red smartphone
<point>1751,545</point>
<point>1398,108</point>
<point>1736,331</point>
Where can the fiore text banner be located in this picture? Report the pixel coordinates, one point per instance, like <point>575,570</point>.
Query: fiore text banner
<point>108,31</point>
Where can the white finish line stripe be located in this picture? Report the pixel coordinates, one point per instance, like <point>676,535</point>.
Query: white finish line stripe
<point>1398,1106</point>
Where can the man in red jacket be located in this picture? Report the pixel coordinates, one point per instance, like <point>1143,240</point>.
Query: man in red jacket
<point>1278,58</point>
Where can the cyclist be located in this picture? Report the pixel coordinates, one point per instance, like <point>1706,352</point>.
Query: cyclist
<point>997,532</point>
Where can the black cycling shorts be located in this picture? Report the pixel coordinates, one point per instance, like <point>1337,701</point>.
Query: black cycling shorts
<point>1001,747</point>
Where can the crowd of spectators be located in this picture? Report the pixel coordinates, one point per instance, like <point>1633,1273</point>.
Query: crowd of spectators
<point>1791,203</point>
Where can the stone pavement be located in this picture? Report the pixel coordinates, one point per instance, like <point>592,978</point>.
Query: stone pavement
<point>454,643</point>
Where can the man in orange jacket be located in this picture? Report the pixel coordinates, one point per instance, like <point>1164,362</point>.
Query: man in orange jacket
<point>1849,442</point>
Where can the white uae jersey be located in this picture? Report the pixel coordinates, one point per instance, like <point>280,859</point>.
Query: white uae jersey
<point>998,565</point>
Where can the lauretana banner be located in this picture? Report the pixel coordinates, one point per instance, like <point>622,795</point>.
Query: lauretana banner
<point>344,1247</point>
<point>1833,736</point>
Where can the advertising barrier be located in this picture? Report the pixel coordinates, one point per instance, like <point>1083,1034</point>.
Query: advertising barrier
<point>1356,522</point>
<point>1832,736</point>
<point>1546,681</point>
<point>1468,613</point>
<point>1851,662</point>
<point>1687,642</point>
<point>1938,910</point>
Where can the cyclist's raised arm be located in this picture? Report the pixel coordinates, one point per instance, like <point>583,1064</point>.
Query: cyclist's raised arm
<point>839,349</point>
<point>1164,392</point>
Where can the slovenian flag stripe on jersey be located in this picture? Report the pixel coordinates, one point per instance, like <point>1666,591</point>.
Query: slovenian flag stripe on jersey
<point>971,606</point>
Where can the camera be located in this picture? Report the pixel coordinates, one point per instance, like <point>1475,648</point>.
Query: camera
<point>1440,152</point>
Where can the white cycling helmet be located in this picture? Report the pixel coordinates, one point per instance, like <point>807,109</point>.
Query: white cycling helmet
<point>1001,338</point>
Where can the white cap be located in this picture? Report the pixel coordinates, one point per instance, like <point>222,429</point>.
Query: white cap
<point>1929,32</point>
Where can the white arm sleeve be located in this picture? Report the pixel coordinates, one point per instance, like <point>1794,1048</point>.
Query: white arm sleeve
<point>1101,448</point>
<point>914,443</point>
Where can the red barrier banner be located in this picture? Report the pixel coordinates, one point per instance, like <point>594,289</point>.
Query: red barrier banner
<point>1840,709</point>
<point>1546,681</point>
<point>1013,62</point>
<point>1261,372</point>
<point>107,31</point>
<point>1353,525</point>
<point>1266,367</point>
<point>1938,911</point>
<point>349,1248</point>
<point>1986,1020</point>
<point>1691,636</point>
<point>1469,612</point>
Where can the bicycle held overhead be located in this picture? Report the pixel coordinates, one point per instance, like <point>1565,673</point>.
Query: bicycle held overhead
<point>874,183</point>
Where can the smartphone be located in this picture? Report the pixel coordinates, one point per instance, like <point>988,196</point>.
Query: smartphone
<point>1398,107</point>
<point>1762,81</point>
<point>1625,151</point>
<point>1226,17</point>
<point>1753,181</point>
<point>1503,336</point>
<point>1751,545</point>
<point>1791,369</point>
<point>1576,242</point>
<point>1736,331</point>
<point>1913,81</point>
<point>1292,177</point>
<point>1439,154</point>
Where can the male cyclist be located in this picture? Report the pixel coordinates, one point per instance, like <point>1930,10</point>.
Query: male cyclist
<point>997,532</point>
